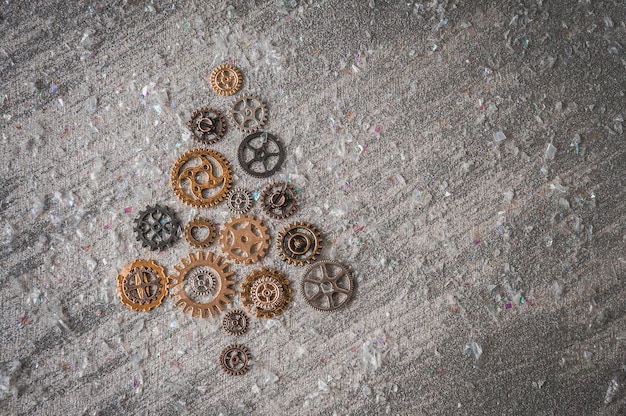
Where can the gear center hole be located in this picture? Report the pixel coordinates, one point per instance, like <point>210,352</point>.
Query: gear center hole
<point>199,233</point>
<point>326,287</point>
<point>205,125</point>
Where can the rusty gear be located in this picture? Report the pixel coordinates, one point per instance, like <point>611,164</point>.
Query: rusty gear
<point>202,284</point>
<point>279,200</point>
<point>201,177</point>
<point>235,359</point>
<point>239,201</point>
<point>248,113</point>
<point>157,227</point>
<point>261,154</point>
<point>226,79</point>
<point>327,285</point>
<point>244,239</point>
<point>299,243</point>
<point>207,125</point>
<point>267,291</point>
<point>198,223</point>
<point>142,285</point>
<point>235,322</point>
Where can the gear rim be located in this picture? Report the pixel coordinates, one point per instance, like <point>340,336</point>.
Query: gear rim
<point>125,287</point>
<point>271,149</point>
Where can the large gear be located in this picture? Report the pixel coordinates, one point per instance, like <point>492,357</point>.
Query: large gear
<point>261,154</point>
<point>142,285</point>
<point>299,243</point>
<point>207,125</point>
<point>201,177</point>
<point>239,201</point>
<point>244,239</point>
<point>327,285</point>
<point>226,79</point>
<point>267,291</point>
<point>235,322</point>
<point>200,223</point>
<point>157,227</point>
<point>235,359</point>
<point>279,200</point>
<point>248,113</point>
<point>202,284</point>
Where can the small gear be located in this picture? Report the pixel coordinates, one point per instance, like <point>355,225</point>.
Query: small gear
<point>248,113</point>
<point>235,322</point>
<point>200,223</point>
<point>157,227</point>
<point>142,285</point>
<point>202,284</point>
<point>244,239</point>
<point>207,125</point>
<point>299,243</point>
<point>279,200</point>
<point>226,79</point>
<point>235,359</point>
<point>327,285</point>
<point>261,154</point>
<point>201,177</point>
<point>267,291</point>
<point>239,201</point>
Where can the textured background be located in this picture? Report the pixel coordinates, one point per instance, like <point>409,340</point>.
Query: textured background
<point>490,268</point>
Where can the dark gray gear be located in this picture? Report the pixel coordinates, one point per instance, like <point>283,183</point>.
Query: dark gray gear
<point>157,227</point>
<point>261,154</point>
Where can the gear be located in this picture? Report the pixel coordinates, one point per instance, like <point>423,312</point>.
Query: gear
<point>299,243</point>
<point>261,154</point>
<point>235,359</point>
<point>226,79</point>
<point>207,125</point>
<point>327,285</point>
<point>200,223</point>
<point>202,284</point>
<point>201,177</point>
<point>267,291</point>
<point>157,227</point>
<point>279,200</point>
<point>235,322</point>
<point>248,113</point>
<point>239,201</point>
<point>142,285</point>
<point>244,239</point>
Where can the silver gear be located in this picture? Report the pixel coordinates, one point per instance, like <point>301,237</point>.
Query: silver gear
<point>202,281</point>
<point>239,201</point>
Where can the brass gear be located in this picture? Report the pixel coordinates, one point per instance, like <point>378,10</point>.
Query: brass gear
<point>142,285</point>
<point>299,243</point>
<point>207,125</point>
<point>279,200</point>
<point>199,302</point>
<point>239,201</point>
<point>226,79</point>
<point>327,285</point>
<point>244,239</point>
<point>235,359</point>
<point>235,322</point>
<point>195,180</point>
<point>267,291</point>
<point>248,113</point>
<point>197,223</point>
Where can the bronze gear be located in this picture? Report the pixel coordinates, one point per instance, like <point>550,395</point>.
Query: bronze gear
<point>235,322</point>
<point>267,291</point>
<point>201,177</point>
<point>226,79</point>
<point>235,359</point>
<point>196,223</point>
<point>142,285</point>
<point>299,243</point>
<point>211,268</point>
<point>261,154</point>
<point>239,201</point>
<point>279,200</point>
<point>244,239</point>
<point>157,227</point>
<point>327,285</point>
<point>248,113</point>
<point>207,125</point>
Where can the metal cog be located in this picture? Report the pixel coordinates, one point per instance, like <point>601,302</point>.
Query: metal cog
<point>235,359</point>
<point>142,285</point>
<point>327,285</point>
<point>279,200</point>
<point>235,322</point>
<point>198,223</point>
<point>248,113</point>
<point>267,291</point>
<point>207,125</point>
<point>212,301</point>
<point>226,79</point>
<point>157,227</point>
<point>244,239</point>
<point>261,154</point>
<point>201,177</point>
<point>239,201</point>
<point>202,281</point>
<point>299,243</point>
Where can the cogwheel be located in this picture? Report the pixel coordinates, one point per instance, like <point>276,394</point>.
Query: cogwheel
<point>201,177</point>
<point>327,285</point>
<point>235,359</point>
<point>248,113</point>
<point>244,239</point>
<point>261,154</point>
<point>207,125</point>
<point>299,243</point>
<point>239,201</point>
<point>279,200</point>
<point>196,224</point>
<point>226,79</point>
<point>235,322</point>
<point>206,290</point>
<point>142,285</point>
<point>157,227</point>
<point>267,291</point>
